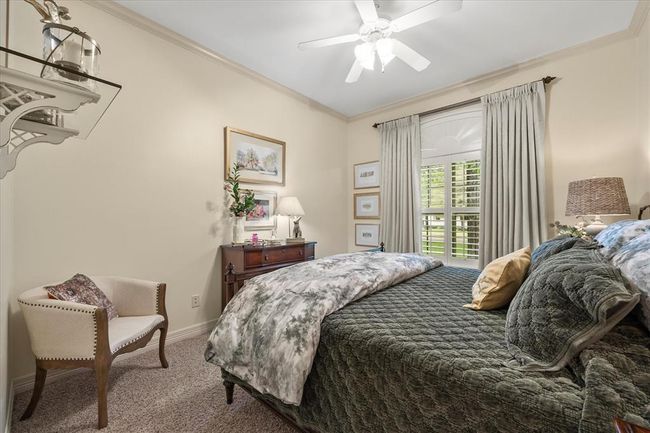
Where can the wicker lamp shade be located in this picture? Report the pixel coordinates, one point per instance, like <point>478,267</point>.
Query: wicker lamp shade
<point>597,196</point>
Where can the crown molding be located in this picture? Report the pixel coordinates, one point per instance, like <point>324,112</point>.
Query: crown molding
<point>640,16</point>
<point>143,23</point>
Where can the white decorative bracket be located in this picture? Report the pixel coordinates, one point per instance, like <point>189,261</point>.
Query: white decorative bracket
<point>21,94</point>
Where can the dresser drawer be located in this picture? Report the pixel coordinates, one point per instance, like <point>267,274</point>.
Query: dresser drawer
<point>283,255</point>
<point>253,259</point>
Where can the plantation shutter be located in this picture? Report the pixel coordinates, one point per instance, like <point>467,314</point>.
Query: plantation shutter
<point>450,185</point>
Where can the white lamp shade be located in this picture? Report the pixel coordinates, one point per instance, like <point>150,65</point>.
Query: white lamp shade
<point>289,206</point>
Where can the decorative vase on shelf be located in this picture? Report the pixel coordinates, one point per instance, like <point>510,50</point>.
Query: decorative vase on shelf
<point>238,230</point>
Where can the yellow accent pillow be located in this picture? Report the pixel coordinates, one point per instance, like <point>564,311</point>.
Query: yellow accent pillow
<point>500,280</point>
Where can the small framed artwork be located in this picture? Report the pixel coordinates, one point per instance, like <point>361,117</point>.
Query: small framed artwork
<point>261,159</point>
<point>366,205</point>
<point>366,175</point>
<point>366,235</point>
<point>262,217</point>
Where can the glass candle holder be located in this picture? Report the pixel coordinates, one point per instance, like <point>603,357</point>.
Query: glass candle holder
<point>72,50</point>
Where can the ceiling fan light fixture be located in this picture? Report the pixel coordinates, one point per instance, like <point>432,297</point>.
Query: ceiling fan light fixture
<point>385,50</point>
<point>365,54</point>
<point>375,36</point>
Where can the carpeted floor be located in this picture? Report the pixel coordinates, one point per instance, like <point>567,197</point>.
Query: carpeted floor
<point>186,397</point>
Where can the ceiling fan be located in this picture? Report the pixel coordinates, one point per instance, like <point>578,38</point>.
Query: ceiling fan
<point>375,34</point>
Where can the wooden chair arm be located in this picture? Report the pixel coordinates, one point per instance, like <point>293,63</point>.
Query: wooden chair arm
<point>626,427</point>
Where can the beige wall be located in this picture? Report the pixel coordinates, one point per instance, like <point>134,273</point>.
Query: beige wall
<point>6,284</point>
<point>142,197</point>
<point>592,119</point>
<point>6,264</point>
<point>644,95</point>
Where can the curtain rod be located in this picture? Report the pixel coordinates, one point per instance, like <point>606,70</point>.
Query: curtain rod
<point>546,80</point>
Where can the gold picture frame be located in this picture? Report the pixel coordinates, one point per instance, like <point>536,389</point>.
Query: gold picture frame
<point>263,159</point>
<point>366,235</point>
<point>367,175</point>
<point>372,213</point>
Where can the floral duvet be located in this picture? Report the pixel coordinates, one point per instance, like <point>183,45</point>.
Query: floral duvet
<point>269,332</point>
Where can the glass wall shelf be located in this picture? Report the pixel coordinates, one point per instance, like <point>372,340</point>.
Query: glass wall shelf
<point>36,110</point>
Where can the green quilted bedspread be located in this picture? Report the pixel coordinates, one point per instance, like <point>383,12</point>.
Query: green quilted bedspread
<point>411,359</point>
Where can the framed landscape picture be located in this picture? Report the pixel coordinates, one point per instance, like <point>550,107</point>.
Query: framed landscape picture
<point>366,205</point>
<point>262,217</point>
<point>261,159</point>
<point>366,175</point>
<point>366,235</point>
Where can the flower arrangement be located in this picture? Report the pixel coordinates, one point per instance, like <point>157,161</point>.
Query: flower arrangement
<point>243,201</point>
<point>576,231</point>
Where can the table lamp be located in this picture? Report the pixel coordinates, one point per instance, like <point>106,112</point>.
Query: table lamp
<point>290,206</point>
<point>596,197</point>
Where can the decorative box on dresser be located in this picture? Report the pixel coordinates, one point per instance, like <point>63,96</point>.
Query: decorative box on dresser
<point>249,261</point>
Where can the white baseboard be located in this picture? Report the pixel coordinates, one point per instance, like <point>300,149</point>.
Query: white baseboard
<point>26,383</point>
<point>10,405</point>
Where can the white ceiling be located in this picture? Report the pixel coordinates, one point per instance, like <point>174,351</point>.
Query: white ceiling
<point>484,36</point>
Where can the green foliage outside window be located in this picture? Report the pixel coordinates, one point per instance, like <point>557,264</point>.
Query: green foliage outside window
<point>465,179</point>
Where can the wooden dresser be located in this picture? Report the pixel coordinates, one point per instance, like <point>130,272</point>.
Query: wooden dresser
<point>249,261</point>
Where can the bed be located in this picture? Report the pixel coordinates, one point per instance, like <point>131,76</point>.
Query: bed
<point>410,358</point>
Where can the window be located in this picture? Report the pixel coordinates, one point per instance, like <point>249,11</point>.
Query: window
<point>451,185</point>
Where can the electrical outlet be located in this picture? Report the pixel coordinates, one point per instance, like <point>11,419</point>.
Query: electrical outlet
<point>196,301</point>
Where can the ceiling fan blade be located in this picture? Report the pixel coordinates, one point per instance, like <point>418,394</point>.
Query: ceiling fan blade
<point>367,10</point>
<point>409,56</point>
<point>355,72</point>
<point>326,42</point>
<point>426,13</point>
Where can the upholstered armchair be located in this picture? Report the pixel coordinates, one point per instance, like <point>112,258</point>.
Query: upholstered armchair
<point>71,335</point>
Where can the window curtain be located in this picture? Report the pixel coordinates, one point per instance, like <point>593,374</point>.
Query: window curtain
<point>513,210</point>
<point>400,185</point>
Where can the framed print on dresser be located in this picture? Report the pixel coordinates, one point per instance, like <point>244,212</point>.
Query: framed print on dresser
<point>262,217</point>
<point>366,205</point>
<point>366,235</point>
<point>366,175</point>
<point>261,160</point>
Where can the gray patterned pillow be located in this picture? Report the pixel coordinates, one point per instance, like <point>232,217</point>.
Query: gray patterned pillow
<point>550,248</point>
<point>82,290</point>
<point>618,234</point>
<point>633,259</point>
<point>570,301</point>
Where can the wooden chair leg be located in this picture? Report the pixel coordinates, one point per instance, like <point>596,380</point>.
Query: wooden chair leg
<point>230,390</point>
<point>39,384</point>
<point>161,347</point>
<point>101,373</point>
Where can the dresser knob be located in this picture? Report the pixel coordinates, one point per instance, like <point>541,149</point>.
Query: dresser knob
<point>266,258</point>
<point>300,253</point>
